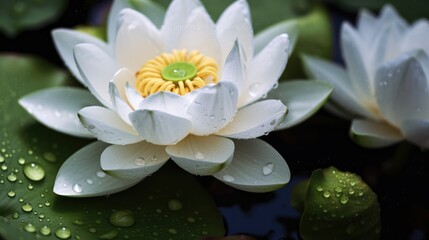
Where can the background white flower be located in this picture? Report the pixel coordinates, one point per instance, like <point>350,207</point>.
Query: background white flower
<point>384,87</point>
<point>207,130</point>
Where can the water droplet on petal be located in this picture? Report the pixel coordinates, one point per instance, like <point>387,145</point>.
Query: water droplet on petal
<point>199,156</point>
<point>140,161</point>
<point>101,174</point>
<point>254,89</point>
<point>89,181</point>
<point>77,188</point>
<point>228,178</point>
<point>268,169</point>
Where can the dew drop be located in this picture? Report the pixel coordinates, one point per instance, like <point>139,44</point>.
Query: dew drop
<point>29,228</point>
<point>254,89</point>
<point>1,159</point>
<point>191,219</point>
<point>11,177</point>
<point>57,114</point>
<point>92,230</point>
<point>30,186</point>
<point>212,117</point>
<point>78,222</point>
<point>34,171</point>
<point>338,189</point>
<point>326,194</point>
<point>344,199</point>
<point>319,188</point>
<point>268,169</point>
<point>15,215</point>
<point>77,188</point>
<point>101,174</point>
<point>47,204</point>
<point>4,167</point>
<point>273,122</point>
<point>175,205</point>
<point>63,233</point>
<point>199,156</point>
<point>45,231</point>
<point>21,161</point>
<point>228,178</point>
<point>50,157</point>
<point>11,193</point>
<point>109,235</point>
<point>89,181</point>
<point>122,218</point>
<point>21,200</point>
<point>27,207</point>
<point>172,231</point>
<point>140,161</point>
<point>351,191</point>
<point>19,9</point>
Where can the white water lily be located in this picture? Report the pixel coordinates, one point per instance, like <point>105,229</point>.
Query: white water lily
<point>187,92</point>
<point>384,87</point>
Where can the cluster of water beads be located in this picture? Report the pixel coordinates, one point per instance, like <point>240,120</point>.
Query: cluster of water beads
<point>339,200</point>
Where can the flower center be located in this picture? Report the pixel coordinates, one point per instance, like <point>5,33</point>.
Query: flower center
<point>180,71</point>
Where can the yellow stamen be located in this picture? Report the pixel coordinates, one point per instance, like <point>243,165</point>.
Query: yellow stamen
<point>180,72</point>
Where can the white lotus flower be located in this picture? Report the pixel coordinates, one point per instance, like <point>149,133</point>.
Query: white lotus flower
<point>384,87</point>
<point>188,91</point>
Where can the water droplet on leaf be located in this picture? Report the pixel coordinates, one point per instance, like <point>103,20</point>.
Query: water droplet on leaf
<point>34,171</point>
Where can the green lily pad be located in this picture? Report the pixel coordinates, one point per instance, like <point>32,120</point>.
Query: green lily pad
<point>16,16</point>
<point>336,205</point>
<point>168,205</point>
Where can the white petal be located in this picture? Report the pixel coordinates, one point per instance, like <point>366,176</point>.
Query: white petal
<point>159,127</point>
<point>416,37</point>
<point>57,108</point>
<point>417,131</point>
<point>265,70</point>
<point>202,155</point>
<point>289,26</point>
<point>343,95</point>
<point>120,79</point>
<point>255,120</point>
<point>65,40</point>
<point>200,34</point>
<point>233,69</point>
<point>373,134</point>
<point>366,24</point>
<point>112,21</point>
<point>402,88</point>
<point>352,53</point>
<point>134,161</point>
<point>97,69</point>
<point>303,99</point>
<point>138,40</point>
<point>175,20</point>
<point>256,167</point>
<point>107,126</point>
<point>81,175</point>
<point>134,97</point>
<point>235,24</point>
<point>168,102</point>
<point>213,108</point>
<point>119,104</point>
